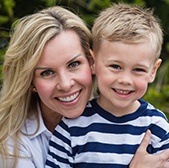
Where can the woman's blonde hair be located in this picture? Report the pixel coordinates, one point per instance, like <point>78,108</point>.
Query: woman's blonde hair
<point>31,33</point>
<point>128,23</point>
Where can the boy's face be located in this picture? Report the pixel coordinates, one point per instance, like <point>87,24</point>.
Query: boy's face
<point>123,72</point>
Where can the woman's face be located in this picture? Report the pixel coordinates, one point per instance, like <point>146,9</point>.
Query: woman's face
<point>62,77</point>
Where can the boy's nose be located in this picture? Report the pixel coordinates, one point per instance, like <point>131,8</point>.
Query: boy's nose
<point>125,79</point>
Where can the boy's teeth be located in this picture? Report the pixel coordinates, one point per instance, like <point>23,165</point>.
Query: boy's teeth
<point>122,91</point>
<point>69,98</point>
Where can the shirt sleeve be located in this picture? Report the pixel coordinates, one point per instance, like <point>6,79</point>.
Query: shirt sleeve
<point>160,134</point>
<point>32,152</point>
<point>25,159</point>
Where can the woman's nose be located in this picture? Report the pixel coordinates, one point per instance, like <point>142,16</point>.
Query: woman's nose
<point>65,82</point>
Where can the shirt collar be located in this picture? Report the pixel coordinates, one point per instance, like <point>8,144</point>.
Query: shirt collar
<point>31,125</point>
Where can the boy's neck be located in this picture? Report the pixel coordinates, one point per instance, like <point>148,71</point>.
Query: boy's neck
<point>118,111</point>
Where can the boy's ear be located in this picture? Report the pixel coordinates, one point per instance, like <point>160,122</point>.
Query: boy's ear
<point>154,70</point>
<point>92,62</point>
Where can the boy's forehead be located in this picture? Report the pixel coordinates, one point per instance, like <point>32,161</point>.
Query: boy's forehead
<point>115,49</point>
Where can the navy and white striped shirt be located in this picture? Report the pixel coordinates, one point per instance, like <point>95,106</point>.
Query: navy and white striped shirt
<point>97,139</point>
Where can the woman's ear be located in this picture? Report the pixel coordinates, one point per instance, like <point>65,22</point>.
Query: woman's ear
<point>92,62</point>
<point>154,70</point>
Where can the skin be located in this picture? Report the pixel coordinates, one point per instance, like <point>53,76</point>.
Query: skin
<point>62,79</point>
<point>123,72</point>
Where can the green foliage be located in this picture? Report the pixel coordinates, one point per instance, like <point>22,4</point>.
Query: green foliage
<point>99,4</point>
<point>160,99</point>
<point>6,7</point>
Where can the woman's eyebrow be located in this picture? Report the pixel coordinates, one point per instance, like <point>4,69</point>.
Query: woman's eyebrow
<point>45,68</point>
<point>74,58</point>
<point>42,68</point>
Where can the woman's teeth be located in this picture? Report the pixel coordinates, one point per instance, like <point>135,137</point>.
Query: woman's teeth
<point>69,98</point>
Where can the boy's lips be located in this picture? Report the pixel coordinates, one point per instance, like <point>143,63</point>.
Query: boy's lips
<point>69,98</point>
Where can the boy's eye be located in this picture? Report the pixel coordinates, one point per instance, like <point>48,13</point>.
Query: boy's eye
<point>74,64</point>
<point>139,70</point>
<point>47,73</point>
<point>115,66</point>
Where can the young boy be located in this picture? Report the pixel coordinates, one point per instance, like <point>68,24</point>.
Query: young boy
<point>127,43</point>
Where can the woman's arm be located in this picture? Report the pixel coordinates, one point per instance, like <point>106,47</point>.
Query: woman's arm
<point>142,159</point>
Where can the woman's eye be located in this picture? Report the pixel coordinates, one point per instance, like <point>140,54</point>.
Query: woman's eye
<point>47,73</point>
<point>74,64</point>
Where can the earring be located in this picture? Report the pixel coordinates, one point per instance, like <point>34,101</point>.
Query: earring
<point>34,89</point>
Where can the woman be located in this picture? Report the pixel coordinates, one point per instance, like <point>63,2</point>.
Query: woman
<point>46,74</point>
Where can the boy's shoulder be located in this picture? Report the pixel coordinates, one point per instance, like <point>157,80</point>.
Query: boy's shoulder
<point>150,109</point>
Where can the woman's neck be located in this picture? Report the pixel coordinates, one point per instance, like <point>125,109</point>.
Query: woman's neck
<point>51,119</point>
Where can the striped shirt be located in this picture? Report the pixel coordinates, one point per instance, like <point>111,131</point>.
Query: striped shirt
<point>97,139</point>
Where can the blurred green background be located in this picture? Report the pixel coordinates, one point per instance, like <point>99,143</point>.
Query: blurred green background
<point>11,10</point>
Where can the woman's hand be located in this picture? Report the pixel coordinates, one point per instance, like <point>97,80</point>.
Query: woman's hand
<point>142,159</point>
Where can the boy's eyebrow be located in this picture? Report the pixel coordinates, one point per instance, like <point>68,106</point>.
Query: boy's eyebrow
<point>74,58</point>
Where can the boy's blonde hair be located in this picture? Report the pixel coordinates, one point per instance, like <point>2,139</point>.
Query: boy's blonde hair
<point>127,23</point>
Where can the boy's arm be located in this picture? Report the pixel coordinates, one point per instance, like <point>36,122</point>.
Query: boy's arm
<point>59,154</point>
<point>142,159</point>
